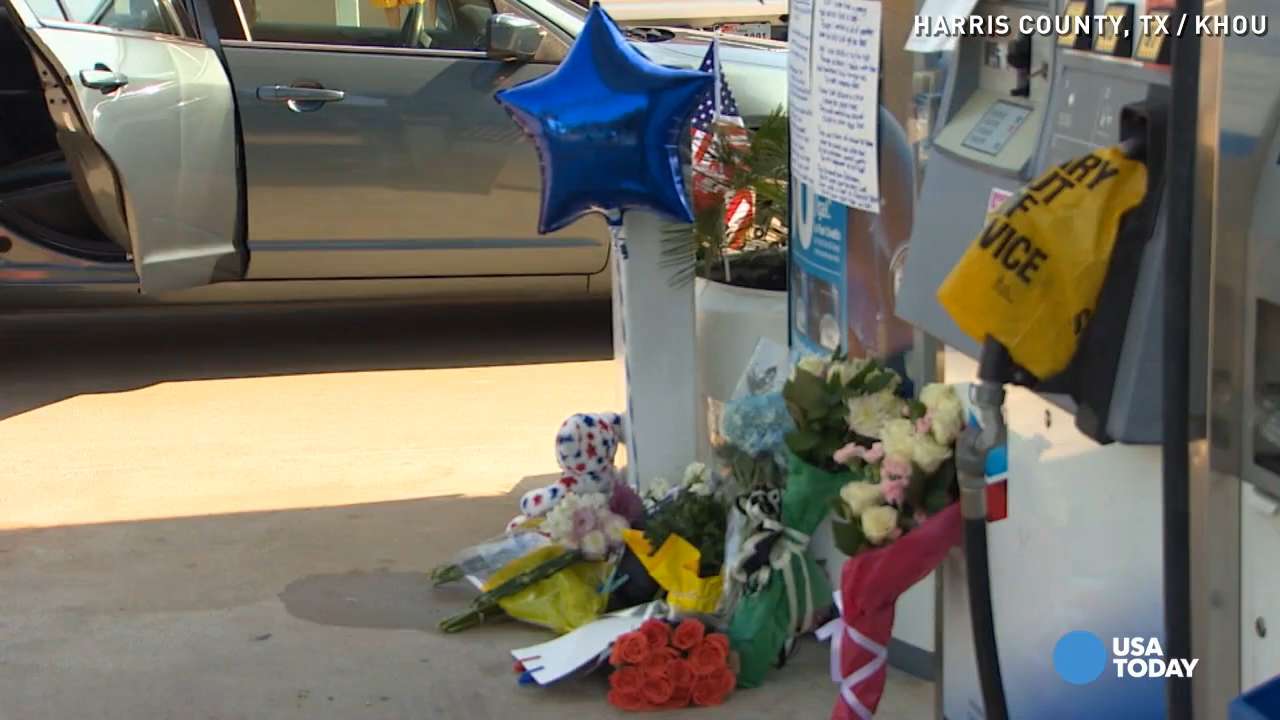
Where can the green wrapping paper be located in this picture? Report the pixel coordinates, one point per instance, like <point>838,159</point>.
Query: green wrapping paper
<point>764,619</point>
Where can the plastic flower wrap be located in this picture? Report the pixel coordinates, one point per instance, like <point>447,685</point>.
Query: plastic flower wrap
<point>584,522</point>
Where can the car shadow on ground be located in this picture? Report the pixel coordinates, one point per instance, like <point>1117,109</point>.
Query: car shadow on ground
<point>45,359</point>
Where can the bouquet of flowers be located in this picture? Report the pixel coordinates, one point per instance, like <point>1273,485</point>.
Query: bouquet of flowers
<point>754,429</point>
<point>783,590</point>
<point>658,667</point>
<point>681,547</point>
<point>896,518</point>
<point>903,468</point>
<point>560,583</point>
<point>584,522</point>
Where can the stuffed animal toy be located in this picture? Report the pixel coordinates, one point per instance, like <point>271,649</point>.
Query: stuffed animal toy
<point>585,448</point>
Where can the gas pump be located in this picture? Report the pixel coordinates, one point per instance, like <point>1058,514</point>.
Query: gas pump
<point>994,104</point>
<point>1081,547</point>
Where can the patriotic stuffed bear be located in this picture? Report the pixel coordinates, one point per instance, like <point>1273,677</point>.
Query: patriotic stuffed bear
<point>585,447</point>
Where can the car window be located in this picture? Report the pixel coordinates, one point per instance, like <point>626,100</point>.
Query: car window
<point>150,16</point>
<point>47,9</point>
<point>421,24</point>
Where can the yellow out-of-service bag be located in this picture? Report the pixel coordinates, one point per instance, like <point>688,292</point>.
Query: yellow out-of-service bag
<point>1032,276</point>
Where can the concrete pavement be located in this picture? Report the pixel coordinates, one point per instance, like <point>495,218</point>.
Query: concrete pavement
<point>227,514</point>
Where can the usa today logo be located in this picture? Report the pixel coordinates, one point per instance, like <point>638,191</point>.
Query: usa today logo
<point>1080,657</point>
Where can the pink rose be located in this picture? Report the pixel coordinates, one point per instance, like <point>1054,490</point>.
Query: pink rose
<point>893,489</point>
<point>846,454</point>
<point>924,424</point>
<point>849,452</point>
<point>896,468</point>
<point>584,521</point>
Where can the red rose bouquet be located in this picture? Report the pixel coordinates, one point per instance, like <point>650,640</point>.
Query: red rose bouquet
<point>658,667</point>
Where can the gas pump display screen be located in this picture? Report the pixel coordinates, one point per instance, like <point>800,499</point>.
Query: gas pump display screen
<point>996,128</point>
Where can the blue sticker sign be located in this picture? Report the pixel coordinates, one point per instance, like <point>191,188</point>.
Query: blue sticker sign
<point>818,323</point>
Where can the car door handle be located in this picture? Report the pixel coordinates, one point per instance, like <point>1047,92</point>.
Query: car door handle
<point>103,78</point>
<point>292,93</point>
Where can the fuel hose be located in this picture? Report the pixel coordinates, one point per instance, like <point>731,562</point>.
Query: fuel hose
<point>977,441</point>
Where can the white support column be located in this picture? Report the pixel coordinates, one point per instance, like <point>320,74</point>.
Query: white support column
<point>347,12</point>
<point>654,336</point>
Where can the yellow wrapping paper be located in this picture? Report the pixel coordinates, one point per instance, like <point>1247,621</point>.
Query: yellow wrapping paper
<point>1031,279</point>
<point>675,568</point>
<point>563,602</point>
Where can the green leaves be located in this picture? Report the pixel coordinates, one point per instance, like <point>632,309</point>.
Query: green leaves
<point>702,520</point>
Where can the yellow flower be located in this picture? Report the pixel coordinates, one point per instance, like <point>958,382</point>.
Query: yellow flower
<point>860,497</point>
<point>946,412</point>
<point>898,437</point>
<point>869,413</point>
<point>880,523</point>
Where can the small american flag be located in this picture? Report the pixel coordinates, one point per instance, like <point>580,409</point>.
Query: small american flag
<point>719,110</point>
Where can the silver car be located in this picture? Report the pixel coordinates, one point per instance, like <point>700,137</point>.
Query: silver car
<point>250,150</point>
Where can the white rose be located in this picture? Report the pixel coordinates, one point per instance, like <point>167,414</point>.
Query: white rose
<point>869,413</point>
<point>898,436</point>
<point>595,500</point>
<point>946,412</point>
<point>878,523</point>
<point>813,365</point>
<point>614,526</point>
<point>927,454</point>
<point>595,544</point>
<point>696,472</point>
<point>846,370</point>
<point>947,421</point>
<point>658,489</point>
<point>700,489</point>
<point>934,394</point>
<point>860,496</point>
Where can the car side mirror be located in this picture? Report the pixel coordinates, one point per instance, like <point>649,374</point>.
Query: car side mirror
<point>512,37</point>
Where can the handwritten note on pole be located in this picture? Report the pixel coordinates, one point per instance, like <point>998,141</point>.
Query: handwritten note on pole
<point>804,141</point>
<point>845,56</point>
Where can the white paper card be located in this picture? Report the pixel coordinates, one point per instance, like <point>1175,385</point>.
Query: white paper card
<point>845,51</point>
<point>933,41</point>
<point>559,658</point>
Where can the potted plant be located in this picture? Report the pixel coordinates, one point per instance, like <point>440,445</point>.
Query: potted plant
<point>741,279</point>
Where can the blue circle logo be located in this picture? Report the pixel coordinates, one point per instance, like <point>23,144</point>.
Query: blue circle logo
<point>1079,657</point>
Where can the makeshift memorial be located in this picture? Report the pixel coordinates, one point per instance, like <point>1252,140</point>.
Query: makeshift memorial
<point>658,666</point>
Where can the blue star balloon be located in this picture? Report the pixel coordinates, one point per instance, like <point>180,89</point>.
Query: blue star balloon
<point>608,125</point>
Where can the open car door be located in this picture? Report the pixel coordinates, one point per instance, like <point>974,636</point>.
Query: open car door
<point>137,88</point>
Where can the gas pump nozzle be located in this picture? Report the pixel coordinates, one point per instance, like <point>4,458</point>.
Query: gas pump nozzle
<point>995,368</point>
